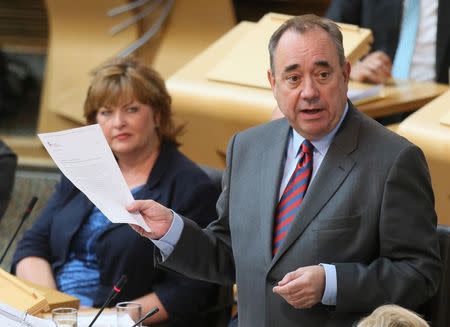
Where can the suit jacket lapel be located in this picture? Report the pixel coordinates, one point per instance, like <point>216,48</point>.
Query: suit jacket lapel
<point>273,159</point>
<point>334,169</point>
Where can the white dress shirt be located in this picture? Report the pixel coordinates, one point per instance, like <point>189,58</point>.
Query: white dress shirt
<point>424,55</point>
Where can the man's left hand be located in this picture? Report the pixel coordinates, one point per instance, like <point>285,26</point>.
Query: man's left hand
<point>303,287</point>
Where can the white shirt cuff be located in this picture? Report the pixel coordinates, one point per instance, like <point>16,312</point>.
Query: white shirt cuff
<point>329,294</point>
<point>167,243</point>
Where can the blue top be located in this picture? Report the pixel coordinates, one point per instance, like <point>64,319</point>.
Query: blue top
<point>80,276</point>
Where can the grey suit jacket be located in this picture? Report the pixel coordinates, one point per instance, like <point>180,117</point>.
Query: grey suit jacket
<point>369,211</point>
<point>383,17</point>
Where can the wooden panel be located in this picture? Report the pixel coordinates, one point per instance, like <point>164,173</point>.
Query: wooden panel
<point>23,23</point>
<point>79,41</point>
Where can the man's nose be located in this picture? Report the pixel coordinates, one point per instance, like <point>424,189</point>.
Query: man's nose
<point>309,90</point>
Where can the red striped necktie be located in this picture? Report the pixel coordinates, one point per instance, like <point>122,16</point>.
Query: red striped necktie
<point>293,194</point>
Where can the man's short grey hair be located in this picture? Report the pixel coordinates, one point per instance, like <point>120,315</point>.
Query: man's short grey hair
<point>305,23</point>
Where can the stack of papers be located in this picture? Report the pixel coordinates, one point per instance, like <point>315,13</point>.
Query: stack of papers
<point>359,95</point>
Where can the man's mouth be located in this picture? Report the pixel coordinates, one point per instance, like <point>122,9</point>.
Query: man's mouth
<point>310,111</point>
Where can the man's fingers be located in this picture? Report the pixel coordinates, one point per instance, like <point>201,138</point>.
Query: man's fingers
<point>289,284</point>
<point>288,278</point>
<point>139,205</point>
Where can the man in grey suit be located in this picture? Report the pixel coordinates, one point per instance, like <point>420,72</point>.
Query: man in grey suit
<point>365,231</point>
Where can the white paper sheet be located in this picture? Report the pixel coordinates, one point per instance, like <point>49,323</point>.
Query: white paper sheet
<point>355,94</point>
<point>10,317</point>
<point>85,158</point>
<point>106,319</point>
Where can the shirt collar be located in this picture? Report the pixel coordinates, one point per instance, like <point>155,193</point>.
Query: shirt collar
<point>322,144</point>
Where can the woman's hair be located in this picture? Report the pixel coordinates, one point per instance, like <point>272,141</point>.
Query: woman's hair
<point>125,79</point>
<point>391,315</point>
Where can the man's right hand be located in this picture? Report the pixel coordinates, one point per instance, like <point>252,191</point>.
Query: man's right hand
<point>155,215</point>
<point>374,68</point>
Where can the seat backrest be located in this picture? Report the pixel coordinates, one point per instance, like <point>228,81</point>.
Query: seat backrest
<point>8,163</point>
<point>437,310</point>
<point>26,185</point>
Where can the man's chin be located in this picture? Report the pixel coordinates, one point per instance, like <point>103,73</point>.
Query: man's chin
<point>312,131</point>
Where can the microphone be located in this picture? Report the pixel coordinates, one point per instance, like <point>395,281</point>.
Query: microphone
<point>148,315</point>
<point>24,217</point>
<point>115,290</point>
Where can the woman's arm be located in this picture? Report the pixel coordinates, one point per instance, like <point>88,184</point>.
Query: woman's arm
<point>148,302</point>
<point>36,270</point>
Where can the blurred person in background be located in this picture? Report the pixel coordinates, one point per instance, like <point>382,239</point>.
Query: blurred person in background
<point>411,38</point>
<point>391,315</point>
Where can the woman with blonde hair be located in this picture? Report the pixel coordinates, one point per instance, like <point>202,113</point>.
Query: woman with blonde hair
<point>74,248</point>
<point>391,315</point>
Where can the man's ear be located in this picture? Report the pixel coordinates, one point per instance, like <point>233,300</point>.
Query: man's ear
<point>271,78</point>
<point>346,71</point>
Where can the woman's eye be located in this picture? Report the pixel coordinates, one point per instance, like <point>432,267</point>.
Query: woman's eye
<point>132,109</point>
<point>105,112</point>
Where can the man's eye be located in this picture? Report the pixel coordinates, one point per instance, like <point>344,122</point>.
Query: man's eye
<point>324,75</point>
<point>293,79</point>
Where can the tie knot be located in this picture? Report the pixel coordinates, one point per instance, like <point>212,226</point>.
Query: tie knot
<point>306,147</point>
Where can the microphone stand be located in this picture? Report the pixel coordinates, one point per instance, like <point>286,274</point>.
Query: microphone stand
<point>116,290</point>
<point>24,217</point>
<point>148,315</point>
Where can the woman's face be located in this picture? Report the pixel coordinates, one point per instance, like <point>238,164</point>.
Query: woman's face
<point>129,128</point>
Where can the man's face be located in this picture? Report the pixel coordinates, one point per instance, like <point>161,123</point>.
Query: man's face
<point>309,84</point>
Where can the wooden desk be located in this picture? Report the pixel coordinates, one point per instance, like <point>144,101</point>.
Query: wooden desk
<point>403,97</point>
<point>213,111</point>
<point>55,298</point>
<point>424,128</point>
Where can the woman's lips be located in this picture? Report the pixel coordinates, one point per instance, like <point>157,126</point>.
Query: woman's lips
<point>122,136</point>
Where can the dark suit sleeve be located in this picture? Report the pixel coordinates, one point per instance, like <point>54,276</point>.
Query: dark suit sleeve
<point>182,296</point>
<point>407,268</point>
<point>36,241</point>
<point>345,11</point>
